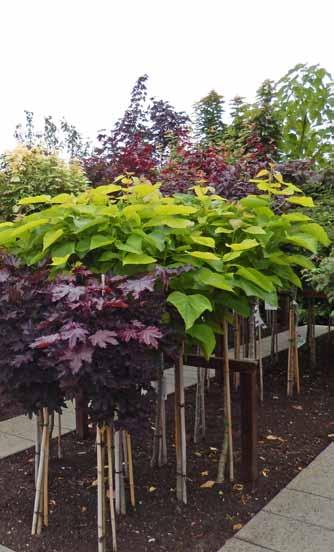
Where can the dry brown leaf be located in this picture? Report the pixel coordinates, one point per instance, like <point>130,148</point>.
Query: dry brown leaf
<point>265,472</point>
<point>297,407</point>
<point>208,484</point>
<point>83,509</point>
<point>271,437</point>
<point>205,472</point>
<point>152,489</point>
<point>237,526</point>
<point>238,487</point>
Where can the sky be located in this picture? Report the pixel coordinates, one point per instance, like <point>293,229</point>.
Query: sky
<point>80,58</point>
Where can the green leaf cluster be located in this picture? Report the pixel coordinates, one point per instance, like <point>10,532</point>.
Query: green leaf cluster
<point>25,172</point>
<point>237,251</point>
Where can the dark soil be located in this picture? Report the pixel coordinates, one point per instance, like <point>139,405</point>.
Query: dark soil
<point>291,434</point>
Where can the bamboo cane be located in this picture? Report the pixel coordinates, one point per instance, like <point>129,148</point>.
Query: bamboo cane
<point>111,488</point>
<point>100,494</point>
<point>39,485</point>
<point>46,470</point>
<point>117,473</point>
<point>125,455</point>
<point>131,478</point>
<point>37,444</point>
<point>122,488</point>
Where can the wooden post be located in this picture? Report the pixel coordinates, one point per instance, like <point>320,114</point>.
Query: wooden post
<point>249,404</point>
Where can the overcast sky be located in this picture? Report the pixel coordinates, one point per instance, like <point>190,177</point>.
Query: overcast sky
<point>80,58</point>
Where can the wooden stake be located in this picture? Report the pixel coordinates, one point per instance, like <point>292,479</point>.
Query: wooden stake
<point>125,455</point>
<point>122,488</point>
<point>131,478</point>
<point>46,470</point>
<point>111,487</point>
<point>100,493</point>
<point>38,418</point>
<point>117,473</point>
<point>39,486</point>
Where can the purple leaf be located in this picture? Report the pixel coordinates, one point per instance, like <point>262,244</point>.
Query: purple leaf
<point>19,360</point>
<point>77,357</point>
<point>4,275</point>
<point>150,336</point>
<point>102,338</point>
<point>45,341</point>
<point>137,286</point>
<point>72,293</point>
<point>74,333</point>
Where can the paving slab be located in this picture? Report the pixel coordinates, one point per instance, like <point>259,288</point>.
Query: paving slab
<point>283,534</point>
<point>317,479</point>
<point>237,545</point>
<point>301,506</point>
<point>4,549</point>
<point>10,444</point>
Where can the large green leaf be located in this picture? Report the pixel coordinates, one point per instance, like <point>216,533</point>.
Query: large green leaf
<point>210,278</point>
<point>244,245</point>
<point>203,240</point>
<point>172,222</point>
<point>317,232</point>
<point>301,200</point>
<point>303,240</point>
<point>205,336</point>
<point>100,240</point>
<point>35,199</point>
<point>51,237</point>
<point>133,259</point>
<point>190,307</point>
<point>256,277</point>
<point>256,230</point>
<point>205,255</point>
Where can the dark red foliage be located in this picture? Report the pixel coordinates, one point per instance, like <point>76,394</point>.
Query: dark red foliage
<point>76,333</point>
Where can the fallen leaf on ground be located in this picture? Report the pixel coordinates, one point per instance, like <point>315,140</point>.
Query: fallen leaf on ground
<point>237,526</point>
<point>238,487</point>
<point>274,438</point>
<point>297,407</point>
<point>207,473</point>
<point>207,485</point>
<point>152,489</point>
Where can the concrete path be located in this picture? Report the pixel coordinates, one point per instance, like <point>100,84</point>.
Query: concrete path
<point>299,519</point>
<point>4,549</point>
<point>18,433</point>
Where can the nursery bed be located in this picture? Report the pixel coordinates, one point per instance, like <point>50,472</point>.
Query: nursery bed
<point>291,434</point>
